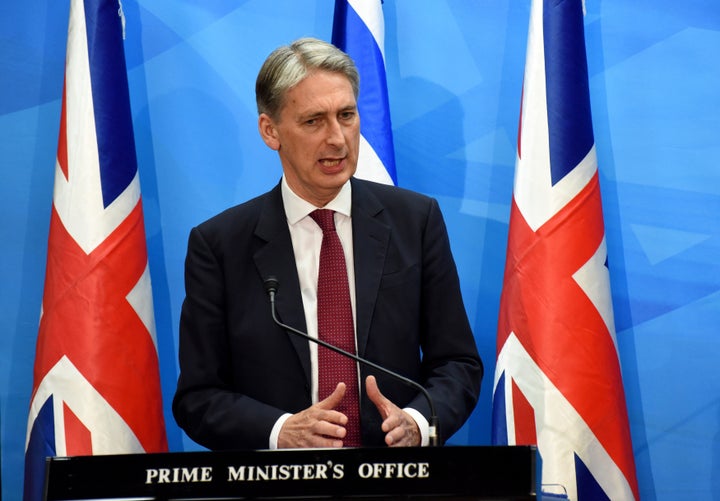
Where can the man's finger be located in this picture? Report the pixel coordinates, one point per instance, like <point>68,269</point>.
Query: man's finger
<point>330,430</point>
<point>334,399</point>
<point>376,397</point>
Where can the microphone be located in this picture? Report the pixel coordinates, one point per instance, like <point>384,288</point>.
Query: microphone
<point>271,287</point>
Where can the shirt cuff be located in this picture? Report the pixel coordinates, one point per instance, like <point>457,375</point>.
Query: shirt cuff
<point>275,432</point>
<point>419,419</point>
<point>422,424</point>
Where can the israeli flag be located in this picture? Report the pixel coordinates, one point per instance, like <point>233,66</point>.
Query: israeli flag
<point>359,30</point>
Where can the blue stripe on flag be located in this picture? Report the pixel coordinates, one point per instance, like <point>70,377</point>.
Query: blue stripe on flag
<point>354,37</point>
<point>111,99</point>
<point>40,446</point>
<point>587,485</point>
<point>499,422</point>
<point>568,92</point>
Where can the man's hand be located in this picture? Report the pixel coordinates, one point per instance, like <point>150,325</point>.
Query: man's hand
<point>316,426</point>
<point>399,427</point>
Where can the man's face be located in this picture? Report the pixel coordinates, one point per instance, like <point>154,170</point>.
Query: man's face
<point>317,136</point>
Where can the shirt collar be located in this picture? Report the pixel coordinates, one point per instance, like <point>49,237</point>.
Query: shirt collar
<point>296,208</point>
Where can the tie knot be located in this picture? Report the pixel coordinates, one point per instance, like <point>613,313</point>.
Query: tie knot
<point>324,218</point>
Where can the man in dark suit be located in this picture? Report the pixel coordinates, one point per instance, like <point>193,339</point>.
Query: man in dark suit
<point>247,383</point>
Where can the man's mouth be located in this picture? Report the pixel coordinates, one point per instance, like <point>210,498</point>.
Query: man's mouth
<point>331,162</point>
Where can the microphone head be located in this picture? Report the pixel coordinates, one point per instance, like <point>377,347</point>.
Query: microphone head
<point>271,285</point>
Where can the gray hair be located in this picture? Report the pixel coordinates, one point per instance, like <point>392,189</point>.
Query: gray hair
<point>290,64</point>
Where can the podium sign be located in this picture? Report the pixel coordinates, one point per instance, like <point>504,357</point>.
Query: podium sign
<point>483,473</point>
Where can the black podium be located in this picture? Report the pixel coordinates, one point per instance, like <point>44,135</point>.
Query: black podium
<point>482,473</point>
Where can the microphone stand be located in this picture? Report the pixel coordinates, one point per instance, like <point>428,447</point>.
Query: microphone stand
<point>271,287</point>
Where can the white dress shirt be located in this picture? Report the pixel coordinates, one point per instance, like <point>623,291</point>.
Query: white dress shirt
<point>306,238</point>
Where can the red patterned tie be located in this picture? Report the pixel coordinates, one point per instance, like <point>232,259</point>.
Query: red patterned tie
<point>335,326</point>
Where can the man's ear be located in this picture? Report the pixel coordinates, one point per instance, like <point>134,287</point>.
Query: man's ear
<point>268,132</point>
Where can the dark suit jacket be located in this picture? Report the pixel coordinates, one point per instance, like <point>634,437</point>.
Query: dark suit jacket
<point>239,372</point>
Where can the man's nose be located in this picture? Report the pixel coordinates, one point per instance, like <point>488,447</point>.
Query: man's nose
<point>335,134</point>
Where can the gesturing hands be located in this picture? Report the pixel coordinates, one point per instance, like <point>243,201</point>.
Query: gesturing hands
<point>316,426</point>
<point>322,426</point>
<point>400,428</point>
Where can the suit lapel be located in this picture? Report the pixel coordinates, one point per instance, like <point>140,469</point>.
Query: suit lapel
<point>370,243</point>
<point>276,258</point>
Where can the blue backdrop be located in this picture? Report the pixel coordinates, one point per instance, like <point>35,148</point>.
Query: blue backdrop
<point>455,71</point>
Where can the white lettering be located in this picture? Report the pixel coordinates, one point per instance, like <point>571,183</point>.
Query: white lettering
<point>284,472</point>
<point>338,471</point>
<point>321,472</point>
<point>185,475</point>
<point>394,470</point>
<point>377,470</point>
<point>423,470</point>
<point>365,470</point>
<point>236,475</point>
<point>150,475</point>
<point>260,473</point>
<point>178,475</point>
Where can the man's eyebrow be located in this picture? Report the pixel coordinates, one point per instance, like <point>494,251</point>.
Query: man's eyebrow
<point>319,113</point>
<point>311,114</point>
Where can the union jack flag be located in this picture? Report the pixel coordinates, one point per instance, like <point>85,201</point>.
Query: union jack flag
<point>558,380</point>
<point>359,30</point>
<point>96,383</point>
